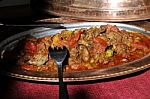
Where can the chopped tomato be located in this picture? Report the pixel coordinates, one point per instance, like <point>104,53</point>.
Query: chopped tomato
<point>73,39</point>
<point>143,43</point>
<point>30,47</point>
<point>145,40</point>
<point>100,40</point>
<point>112,28</point>
<point>139,45</point>
<point>99,45</point>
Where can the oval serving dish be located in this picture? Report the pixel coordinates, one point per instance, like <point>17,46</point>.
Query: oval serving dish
<point>10,69</point>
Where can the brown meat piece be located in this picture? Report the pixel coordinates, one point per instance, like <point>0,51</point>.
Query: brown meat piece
<point>120,48</point>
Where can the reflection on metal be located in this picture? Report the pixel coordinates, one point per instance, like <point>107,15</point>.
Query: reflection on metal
<point>99,10</point>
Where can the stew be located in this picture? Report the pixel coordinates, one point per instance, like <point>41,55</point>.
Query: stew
<point>88,48</point>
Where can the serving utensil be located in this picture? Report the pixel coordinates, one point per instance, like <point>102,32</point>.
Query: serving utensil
<point>59,55</point>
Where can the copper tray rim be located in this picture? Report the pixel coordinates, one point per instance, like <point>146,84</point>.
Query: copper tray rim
<point>112,19</point>
<point>79,79</point>
<point>83,78</point>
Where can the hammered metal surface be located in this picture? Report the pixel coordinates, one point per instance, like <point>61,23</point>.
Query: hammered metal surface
<point>97,10</point>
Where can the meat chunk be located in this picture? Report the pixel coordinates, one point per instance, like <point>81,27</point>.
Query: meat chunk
<point>73,56</point>
<point>114,37</point>
<point>38,60</point>
<point>99,45</point>
<point>84,53</point>
<point>120,48</point>
<point>112,28</point>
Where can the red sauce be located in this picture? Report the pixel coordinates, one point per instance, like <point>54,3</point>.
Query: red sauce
<point>101,44</point>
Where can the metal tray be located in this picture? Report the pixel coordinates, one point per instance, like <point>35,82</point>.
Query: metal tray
<point>86,75</point>
<point>96,10</point>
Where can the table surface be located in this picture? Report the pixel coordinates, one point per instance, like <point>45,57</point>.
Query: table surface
<point>132,86</point>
